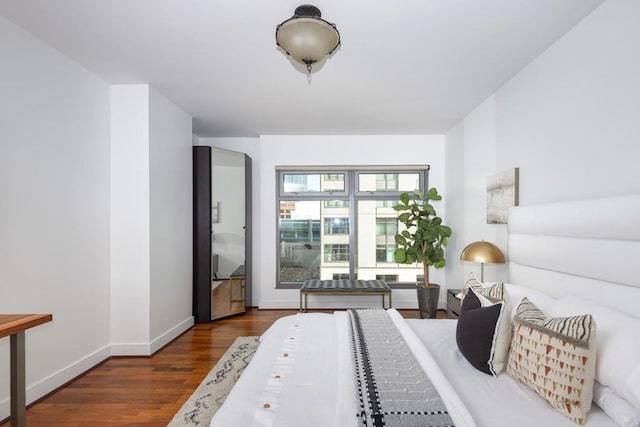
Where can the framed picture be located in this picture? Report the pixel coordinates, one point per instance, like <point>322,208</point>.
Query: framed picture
<point>502,193</point>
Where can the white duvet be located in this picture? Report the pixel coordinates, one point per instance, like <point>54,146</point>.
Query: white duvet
<point>302,375</point>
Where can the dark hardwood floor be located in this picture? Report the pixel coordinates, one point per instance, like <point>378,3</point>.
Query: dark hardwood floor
<point>148,391</point>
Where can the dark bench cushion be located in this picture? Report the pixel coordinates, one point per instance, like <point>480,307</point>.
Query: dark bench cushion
<point>345,285</point>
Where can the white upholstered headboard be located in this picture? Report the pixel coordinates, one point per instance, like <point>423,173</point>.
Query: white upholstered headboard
<point>589,248</point>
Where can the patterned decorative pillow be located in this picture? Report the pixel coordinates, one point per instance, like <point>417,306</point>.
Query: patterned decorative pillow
<point>495,290</point>
<point>483,332</point>
<point>555,357</point>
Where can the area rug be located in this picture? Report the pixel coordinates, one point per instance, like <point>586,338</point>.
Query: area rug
<point>211,393</point>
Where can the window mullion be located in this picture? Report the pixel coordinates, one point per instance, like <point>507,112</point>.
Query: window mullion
<point>353,224</point>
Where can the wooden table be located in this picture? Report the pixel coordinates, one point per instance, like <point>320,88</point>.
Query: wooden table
<point>14,325</point>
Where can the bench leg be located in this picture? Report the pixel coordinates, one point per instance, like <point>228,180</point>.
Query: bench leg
<point>390,304</point>
<point>300,301</point>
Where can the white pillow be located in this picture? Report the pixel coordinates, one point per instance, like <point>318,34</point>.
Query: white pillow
<point>517,292</point>
<point>618,409</point>
<point>618,351</point>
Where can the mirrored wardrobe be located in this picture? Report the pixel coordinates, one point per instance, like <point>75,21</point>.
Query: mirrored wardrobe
<point>221,233</point>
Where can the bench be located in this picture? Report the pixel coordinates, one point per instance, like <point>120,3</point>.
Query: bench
<point>343,287</point>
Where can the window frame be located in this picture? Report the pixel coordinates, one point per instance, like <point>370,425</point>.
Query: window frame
<point>351,195</point>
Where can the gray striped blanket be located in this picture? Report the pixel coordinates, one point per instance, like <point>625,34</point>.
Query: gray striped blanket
<point>393,390</point>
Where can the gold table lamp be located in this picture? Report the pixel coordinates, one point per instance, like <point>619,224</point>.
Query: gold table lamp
<point>482,252</point>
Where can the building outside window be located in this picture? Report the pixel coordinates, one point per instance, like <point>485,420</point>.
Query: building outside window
<point>341,224</point>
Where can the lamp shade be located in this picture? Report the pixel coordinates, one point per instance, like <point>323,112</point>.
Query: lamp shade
<point>482,252</point>
<point>306,37</point>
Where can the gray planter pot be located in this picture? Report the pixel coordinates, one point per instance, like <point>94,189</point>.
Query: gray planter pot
<point>428,300</point>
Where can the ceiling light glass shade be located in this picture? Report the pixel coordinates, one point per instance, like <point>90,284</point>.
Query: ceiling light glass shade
<point>306,37</point>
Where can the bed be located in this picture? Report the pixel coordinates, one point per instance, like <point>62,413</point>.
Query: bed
<point>567,258</point>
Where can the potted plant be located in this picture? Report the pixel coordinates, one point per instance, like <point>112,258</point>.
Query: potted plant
<point>423,240</point>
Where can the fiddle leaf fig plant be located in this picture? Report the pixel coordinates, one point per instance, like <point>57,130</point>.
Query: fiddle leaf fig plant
<point>425,236</point>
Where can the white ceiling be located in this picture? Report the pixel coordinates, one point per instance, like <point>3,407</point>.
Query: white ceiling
<point>405,66</point>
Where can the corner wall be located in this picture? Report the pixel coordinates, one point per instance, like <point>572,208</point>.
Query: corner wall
<point>151,220</point>
<point>171,220</point>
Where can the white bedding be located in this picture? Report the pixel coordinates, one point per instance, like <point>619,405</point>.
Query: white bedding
<point>492,401</point>
<point>315,385</point>
<point>302,375</point>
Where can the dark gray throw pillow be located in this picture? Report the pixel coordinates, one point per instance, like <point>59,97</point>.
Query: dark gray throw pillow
<point>476,331</point>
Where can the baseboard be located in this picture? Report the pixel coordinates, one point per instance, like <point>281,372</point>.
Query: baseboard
<point>57,379</point>
<point>171,334</point>
<point>148,348</point>
<point>131,349</point>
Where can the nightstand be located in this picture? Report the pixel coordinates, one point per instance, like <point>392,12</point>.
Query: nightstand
<point>453,303</point>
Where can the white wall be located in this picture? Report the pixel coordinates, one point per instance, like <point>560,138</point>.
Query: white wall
<point>454,198</point>
<point>54,210</point>
<point>171,227</point>
<point>569,121</point>
<point>130,263</point>
<point>151,220</point>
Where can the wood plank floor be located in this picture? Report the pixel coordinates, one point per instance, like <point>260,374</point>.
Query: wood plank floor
<point>148,391</point>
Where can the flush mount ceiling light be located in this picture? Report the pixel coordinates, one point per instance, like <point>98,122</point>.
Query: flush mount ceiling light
<point>306,37</point>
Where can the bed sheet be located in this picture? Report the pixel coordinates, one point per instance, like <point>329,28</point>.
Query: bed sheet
<point>492,401</point>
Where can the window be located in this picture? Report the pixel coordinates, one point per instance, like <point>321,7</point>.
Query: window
<point>386,181</point>
<point>386,203</point>
<point>336,225</point>
<point>300,183</point>
<point>386,230</point>
<point>336,252</point>
<point>336,203</point>
<point>341,224</point>
<point>389,182</point>
<point>386,227</point>
<point>300,230</point>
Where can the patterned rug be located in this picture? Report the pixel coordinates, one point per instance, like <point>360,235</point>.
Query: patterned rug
<point>211,393</point>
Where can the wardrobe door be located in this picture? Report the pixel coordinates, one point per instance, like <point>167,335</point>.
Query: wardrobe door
<point>202,274</point>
